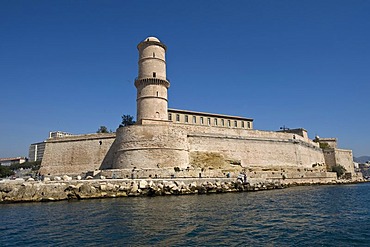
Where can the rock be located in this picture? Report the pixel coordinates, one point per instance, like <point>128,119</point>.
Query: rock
<point>134,188</point>
<point>151,184</point>
<point>85,189</point>
<point>110,187</point>
<point>46,179</point>
<point>89,177</point>
<point>103,177</point>
<point>122,193</point>
<point>79,177</point>
<point>182,185</point>
<point>67,178</point>
<point>30,179</point>
<point>143,184</point>
<point>103,187</point>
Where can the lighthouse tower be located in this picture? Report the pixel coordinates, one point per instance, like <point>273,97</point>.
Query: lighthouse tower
<point>152,83</point>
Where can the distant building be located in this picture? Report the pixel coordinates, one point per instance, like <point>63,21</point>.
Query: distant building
<point>53,134</point>
<point>36,151</point>
<point>11,161</point>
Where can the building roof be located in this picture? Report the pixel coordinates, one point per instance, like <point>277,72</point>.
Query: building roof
<point>10,159</point>
<point>209,114</point>
<point>151,38</point>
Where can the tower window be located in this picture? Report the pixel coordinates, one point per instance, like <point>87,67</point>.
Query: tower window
<point>235,123</point>
<point>170,116</point>
<point>194,119</point>
<point>201,120</point>
<point>153,54</point>
<point>242,124</point>
<point>154,74</point>
<point>249,125</point>
<point>177,117</point>
<point>228,123</point>
<point>215,121</point>
<point>209,121</point>
<point>222,122</point>
<point>186,118</point>
<point>157,94</point>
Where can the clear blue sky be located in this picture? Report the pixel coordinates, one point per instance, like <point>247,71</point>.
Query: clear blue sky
<point>70,65</point>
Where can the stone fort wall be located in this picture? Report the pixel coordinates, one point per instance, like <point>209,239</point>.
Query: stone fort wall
<point>162,146</point>
<point>76,154</point>
<point>180,145</point>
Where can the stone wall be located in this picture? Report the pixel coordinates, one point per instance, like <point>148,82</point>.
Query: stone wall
<point>58,189</point>
<point>335,156</point>
<point>75,154</point>
<point>161,146</point>
<point>180,145</point>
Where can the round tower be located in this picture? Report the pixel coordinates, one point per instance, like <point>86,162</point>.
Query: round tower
<point>152,83</point>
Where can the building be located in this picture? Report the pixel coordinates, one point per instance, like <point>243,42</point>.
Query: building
<point>54,134</point>
<point>165,141</point>
<point>36,151</point>
<point>12,161</point>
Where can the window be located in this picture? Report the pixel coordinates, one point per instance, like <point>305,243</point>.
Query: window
<point>222,122</point>
<point>208,121</point>
<point>154,74</point>
<point>249,125</point>
<point>194,119</point>
<point>153,54</point>
<point>242,124</point>
<point>235,123</point>
<point>215,121</point>
<point>228,123</point>
<point>157,94</point>
<point>170,116</point>
<point>186,118</point>
<point>177,117</point>
<point>201,120</point>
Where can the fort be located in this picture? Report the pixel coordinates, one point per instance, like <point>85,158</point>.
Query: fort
<point>174,143</point>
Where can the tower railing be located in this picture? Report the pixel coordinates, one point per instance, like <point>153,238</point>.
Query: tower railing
<point>152,80</point>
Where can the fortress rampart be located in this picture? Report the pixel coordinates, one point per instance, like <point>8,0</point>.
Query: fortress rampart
<point>189,143</point>
<point>76,154</point>
<point>181,145</point>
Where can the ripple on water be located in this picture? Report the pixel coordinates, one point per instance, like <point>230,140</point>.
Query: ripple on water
<point>301,216</point>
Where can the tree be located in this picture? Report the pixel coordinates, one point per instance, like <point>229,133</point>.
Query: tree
<point>34,165</point>
<point>102,129</point>
<point>324,145</point>
<point>5,171</point>
<point>340,170</point>
<point>127,120</point>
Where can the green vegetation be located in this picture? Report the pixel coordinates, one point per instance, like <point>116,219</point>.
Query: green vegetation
<point>5,171</point>
<point>324,145</point>
<point>34,165</point>
<point>340,170</point>
<point>127,120</point>
<point>102,129</point>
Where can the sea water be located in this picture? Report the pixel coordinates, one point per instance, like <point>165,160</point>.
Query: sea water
<point>335,215</point>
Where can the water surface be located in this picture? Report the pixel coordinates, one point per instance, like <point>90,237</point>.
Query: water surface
<point>301,216</point>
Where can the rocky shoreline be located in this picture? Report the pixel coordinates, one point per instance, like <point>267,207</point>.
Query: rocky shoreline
<point>66,189</point>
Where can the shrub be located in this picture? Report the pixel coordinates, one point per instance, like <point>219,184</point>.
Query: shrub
<point>34,165</point>
<point>340,170</point>
<point>5,171</point>
<point>324,145</point>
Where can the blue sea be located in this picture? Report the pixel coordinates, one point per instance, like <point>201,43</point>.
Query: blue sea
<point>299,216</point>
